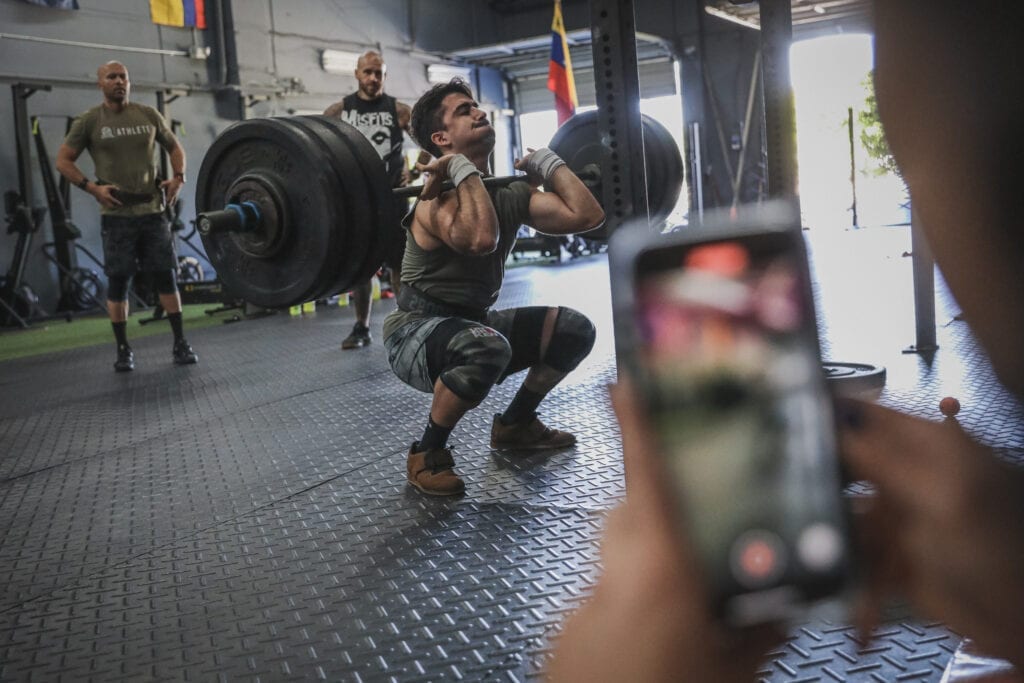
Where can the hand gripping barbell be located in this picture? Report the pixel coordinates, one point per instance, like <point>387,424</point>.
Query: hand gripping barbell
<point>294,209</point>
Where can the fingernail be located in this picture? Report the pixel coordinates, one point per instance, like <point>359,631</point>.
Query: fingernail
<point>849,414</point>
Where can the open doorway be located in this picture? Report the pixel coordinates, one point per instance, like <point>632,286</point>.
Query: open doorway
<point>842,183</point>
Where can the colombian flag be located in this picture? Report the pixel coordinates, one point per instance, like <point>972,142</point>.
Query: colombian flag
<point>183,13</point>
<point>560,80</point>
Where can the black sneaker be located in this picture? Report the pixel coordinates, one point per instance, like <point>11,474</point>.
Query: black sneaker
<point>125,359</point>
<point>359,337</point>
<point>183,353</point>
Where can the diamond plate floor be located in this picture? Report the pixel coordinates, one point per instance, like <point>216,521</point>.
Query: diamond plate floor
<point>247,518</point>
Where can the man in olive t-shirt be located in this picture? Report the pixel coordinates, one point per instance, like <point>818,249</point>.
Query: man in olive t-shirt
<point>121,137</point>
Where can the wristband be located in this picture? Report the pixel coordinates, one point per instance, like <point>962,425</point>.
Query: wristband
<point>543,163</point>
<point>83,184</point>
<point>460,168</point>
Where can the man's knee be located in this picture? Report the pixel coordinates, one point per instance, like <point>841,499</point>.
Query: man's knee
<point>475,357</point>
<point>117,287</point>
<point>571,340</point>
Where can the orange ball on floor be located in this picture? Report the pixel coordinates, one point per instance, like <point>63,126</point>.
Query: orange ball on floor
<point>949,406</point>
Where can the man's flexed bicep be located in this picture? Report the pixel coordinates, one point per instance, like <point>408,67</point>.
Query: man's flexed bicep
<point>463,218</point>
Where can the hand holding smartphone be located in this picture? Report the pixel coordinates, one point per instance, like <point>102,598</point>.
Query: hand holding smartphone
<point>716,326</point>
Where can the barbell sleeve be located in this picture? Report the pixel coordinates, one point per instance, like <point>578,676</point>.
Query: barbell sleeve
<point>243,217</point>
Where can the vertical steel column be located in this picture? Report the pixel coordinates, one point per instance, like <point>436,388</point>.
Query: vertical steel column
<point>853,167</point>
<point>20,92</point>
<point>617,85</point>
<point>161,106</point>
<point>923,265</point>
<point>696,172</point>
<point>780,114</point>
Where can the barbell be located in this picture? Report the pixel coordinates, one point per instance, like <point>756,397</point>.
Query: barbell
<point>294,209</point>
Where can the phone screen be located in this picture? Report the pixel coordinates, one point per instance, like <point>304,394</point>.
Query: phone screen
<point>729,362</point>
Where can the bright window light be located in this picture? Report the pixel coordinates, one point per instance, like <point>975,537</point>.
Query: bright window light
<point>442,73</point>
<point>339,61</point>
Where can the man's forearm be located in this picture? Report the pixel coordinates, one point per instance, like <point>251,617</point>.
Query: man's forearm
<point>474,228</point>
<point>177,158</point>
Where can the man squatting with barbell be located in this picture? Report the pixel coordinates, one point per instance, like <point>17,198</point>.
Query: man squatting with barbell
<point>444,338</point>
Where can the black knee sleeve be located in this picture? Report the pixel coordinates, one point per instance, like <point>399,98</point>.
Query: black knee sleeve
<point>165,281</point>
<point>475,357</point>
<point>571,340</point>
<point>117,288</point>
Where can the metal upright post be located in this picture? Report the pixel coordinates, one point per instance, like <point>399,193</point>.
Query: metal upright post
<point>617,85</point>
<point>923,265</point>
<point>853,167</point>
<point>780,113</point>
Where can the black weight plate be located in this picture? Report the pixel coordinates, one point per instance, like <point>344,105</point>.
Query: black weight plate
<point>857,380</point>
<point>354,218</point>
<point>333,205</point>
<point>578,142</point>
<point>381,198</point>
<point>285,157</point>
<point>664,166</point>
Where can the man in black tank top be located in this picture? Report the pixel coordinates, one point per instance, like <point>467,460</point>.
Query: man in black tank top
<point>381,118</point>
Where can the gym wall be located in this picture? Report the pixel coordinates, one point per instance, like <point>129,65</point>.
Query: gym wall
<point>265,61</point>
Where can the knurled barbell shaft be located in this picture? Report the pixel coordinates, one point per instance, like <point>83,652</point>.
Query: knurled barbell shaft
<point>493,181</point>
<point>241,218</point>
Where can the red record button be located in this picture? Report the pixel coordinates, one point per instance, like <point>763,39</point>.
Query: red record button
<point>757,558</point>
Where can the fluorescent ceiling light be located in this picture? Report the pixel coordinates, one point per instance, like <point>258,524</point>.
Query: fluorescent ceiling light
<point>339,61</point>
<point>442,73</point>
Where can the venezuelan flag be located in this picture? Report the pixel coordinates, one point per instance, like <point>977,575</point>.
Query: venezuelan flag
<point>183,13</point>
<point>560,80</point>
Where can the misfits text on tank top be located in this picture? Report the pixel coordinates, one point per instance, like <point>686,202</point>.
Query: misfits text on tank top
<point>378,121</point>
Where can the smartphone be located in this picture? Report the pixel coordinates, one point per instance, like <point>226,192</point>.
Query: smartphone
<point>716,326</point>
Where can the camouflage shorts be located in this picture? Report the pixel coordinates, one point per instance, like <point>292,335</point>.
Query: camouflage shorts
<point>134,243</point>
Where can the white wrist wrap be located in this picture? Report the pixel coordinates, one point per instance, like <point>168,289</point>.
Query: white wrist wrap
<point>543,163</point>
<point>460,168</point>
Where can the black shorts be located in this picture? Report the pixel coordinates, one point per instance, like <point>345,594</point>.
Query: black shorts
<point>134,243</point>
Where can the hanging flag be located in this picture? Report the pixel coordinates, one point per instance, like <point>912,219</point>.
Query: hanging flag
<point>55,4</point>
<point>182,13</point>
<point>560,80</point>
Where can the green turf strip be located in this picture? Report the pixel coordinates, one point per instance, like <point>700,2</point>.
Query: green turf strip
<point>59,335</point>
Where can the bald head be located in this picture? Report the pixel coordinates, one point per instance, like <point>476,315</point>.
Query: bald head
<point>112,79</point>
<point>370,72</point>
<point>103,69</point>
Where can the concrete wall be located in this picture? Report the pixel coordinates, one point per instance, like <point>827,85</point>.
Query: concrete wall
<point>277,44</point>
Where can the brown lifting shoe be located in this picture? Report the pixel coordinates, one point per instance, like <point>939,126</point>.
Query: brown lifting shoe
<point>431,472</point>
<point>533,435</point>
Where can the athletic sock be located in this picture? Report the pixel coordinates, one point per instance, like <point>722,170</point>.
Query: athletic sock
<point>434,436</point>
<point>121,332</point>
<point>175,320</point>
<point>523,407</point>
